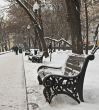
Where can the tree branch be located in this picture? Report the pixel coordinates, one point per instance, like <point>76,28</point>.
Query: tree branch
<point>30,15</point>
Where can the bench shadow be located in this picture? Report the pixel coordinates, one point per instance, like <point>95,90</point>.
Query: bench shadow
<point>62,99</point>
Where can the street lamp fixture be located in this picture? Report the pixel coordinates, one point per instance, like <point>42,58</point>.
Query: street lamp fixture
<point>36,7</point>
<point>28,27</point>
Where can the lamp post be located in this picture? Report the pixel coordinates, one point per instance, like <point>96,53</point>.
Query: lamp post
<point>39,30</point>
<point>37,12</point>
<point>28,28</point>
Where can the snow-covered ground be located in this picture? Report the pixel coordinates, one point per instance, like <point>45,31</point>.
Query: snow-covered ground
<point>63,102</point>
<point>12,82</point>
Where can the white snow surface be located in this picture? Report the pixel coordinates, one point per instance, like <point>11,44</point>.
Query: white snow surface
<point>63,102</point>
<point>12,87</point>
<point>12,82</point>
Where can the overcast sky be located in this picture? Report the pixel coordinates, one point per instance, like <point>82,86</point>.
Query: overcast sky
<point>3,3</point>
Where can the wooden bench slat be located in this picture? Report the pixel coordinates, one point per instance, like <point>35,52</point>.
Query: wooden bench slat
<point>70,72</point>
<point>73,67</point>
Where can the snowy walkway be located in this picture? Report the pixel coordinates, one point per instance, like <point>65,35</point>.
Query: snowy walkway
<point>12,83</point>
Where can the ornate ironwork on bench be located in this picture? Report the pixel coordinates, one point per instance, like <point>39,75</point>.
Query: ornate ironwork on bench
<point>69,83</point>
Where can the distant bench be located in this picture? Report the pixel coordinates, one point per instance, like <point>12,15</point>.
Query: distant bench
<point>36,58</point>
<point>69,82</point>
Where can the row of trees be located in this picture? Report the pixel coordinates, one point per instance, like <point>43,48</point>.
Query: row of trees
<point>4,39</point>
<point>61,18</point>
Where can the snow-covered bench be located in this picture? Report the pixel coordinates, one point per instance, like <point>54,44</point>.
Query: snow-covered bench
<point>69,82</point>
<point>27,52</point>
<point>36,58</point>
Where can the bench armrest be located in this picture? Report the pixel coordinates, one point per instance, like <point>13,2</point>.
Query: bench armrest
<point>46,67</point>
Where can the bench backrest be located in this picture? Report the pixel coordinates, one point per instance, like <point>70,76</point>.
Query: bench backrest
<point>74,65</point>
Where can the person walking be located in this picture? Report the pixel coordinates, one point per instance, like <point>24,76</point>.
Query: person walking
<point>16,49</point>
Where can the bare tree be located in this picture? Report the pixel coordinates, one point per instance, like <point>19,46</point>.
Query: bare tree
<point>37,26</point>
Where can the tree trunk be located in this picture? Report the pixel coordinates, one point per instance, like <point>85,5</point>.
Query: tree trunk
<point>37,40</point>
<point>73,11</point>
<point>86,13</point>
